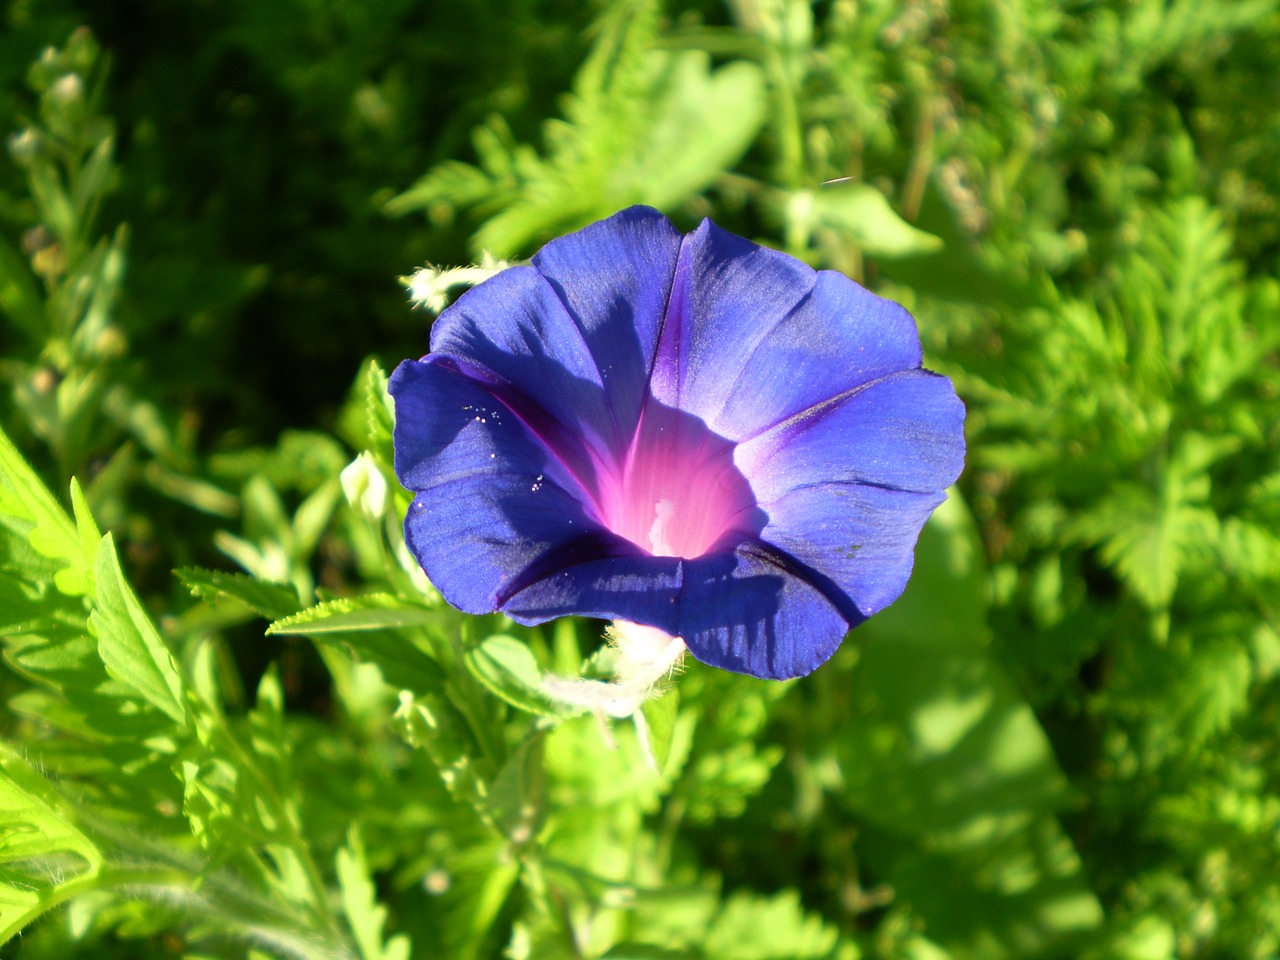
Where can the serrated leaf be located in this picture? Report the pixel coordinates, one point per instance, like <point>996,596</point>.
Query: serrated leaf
<point>130,646</point>
<point>374,611</point>
<point>365,915</point>
<point>271,600</point>
<point>380,412</point>
<point>1214,689</point>
<point>88,702</point>
<point>25,608</point>
<point>85,524</point>
<point>753,927</point>
<point>1146,539</point>
<point>1249,550</point>
<point>368,628</point>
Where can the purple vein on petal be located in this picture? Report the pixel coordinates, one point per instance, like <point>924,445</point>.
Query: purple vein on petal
<point>789,564</point>
<point>811,415</point>
<point>592,545</point>
<point>764,333</point>
<point>665,384</point>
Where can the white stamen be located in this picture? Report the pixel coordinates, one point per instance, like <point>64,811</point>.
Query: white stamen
<point>659,533</point>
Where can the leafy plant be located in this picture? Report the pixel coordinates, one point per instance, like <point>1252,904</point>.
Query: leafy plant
<point>1060,743</point>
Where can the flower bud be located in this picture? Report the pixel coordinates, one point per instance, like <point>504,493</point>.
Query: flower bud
<point>365,487</point>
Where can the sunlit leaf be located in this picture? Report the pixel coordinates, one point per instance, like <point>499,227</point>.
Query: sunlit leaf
<point>44,857</point>
<point>130,645</point>
<point>508,669</point>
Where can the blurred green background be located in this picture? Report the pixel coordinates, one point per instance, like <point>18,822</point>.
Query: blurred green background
<point>1062,742</point>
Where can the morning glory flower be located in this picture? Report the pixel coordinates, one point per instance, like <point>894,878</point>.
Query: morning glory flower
<point>687,432</point>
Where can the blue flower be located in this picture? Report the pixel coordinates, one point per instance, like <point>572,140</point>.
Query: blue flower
<point>690,432</point>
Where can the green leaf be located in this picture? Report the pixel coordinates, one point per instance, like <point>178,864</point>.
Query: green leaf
<point>484,876</point>
<point>517,795</point>
<point>32,521</point>
<point>643,125</point>
<point>1146,538</point>
<point>273,601</point>
<point>87,527</point>
<point>130,646</point>
<point>36,837</point>
<point>374,611</point>
<point>368,417</point>
<point>960,782</point>
<point>370,628</point>
<point>83,700</point>
<point>509,670</point>
<point>702,124</point>
<point>26,608</point>
<point>753,927</point>
<point>1213,689</point>
<point>660,716</point>
<point>859,212</point>
<point>365,915</point>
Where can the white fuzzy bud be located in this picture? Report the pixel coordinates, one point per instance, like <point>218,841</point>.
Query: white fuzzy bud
<point>365,487</point>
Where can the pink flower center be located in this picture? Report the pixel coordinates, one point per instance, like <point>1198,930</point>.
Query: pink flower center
<point>677,491</point>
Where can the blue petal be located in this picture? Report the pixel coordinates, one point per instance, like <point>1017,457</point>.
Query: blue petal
<point>512,332</point>
<point>903,431</point>
<point>857,541</point>
<point>836,338</point>
<point>751,611</point>
<point>759,612</point>
<point>619,582</point>
<point>491,498</point>
<point>848,484</point>
<point>726,294</point>
<point>613,279</point>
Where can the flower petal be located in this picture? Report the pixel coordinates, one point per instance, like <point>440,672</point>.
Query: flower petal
<point>490,497</point>
<point>513,333</point>
<point>752,610</point>
<point>613,279</point>
<point>838,337</point>
<point>858,540</point>
<point>903,431</point>
<point>759,612</point>
<point>847,485</point>
<point>727,292</point>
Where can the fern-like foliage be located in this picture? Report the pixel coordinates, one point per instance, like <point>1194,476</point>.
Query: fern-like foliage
<point>642,125</point>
